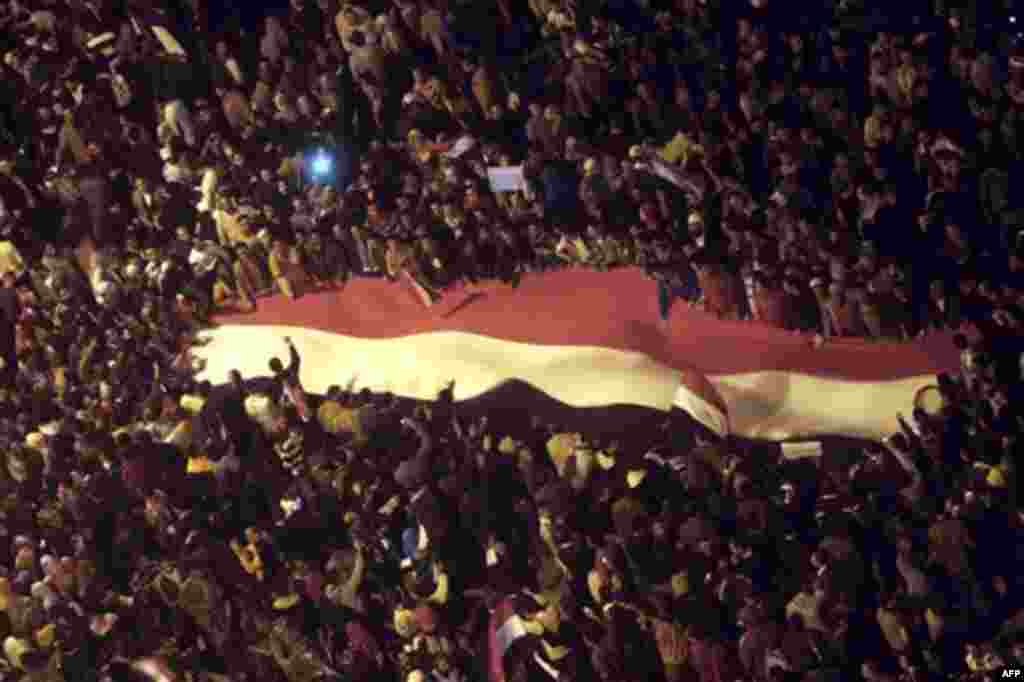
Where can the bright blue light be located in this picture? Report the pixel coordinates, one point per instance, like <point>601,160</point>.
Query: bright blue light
<point>321,164</point>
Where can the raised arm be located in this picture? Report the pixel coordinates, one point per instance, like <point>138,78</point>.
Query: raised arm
<point>355,579</point>
<point>294,361</point>
<point>426,442</point>
<point>904,461</point>
<point>908,431</point>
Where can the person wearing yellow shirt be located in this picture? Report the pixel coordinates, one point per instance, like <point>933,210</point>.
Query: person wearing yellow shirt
<point>249,554</point>
<point>232,227</point>
<point>286,269</point>
<point>11,260</point>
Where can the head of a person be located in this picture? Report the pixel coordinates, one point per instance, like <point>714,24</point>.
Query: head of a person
<point>306,106</point>
<point>714,100</point>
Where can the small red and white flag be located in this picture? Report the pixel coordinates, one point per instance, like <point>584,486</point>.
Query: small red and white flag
<point>504,629</point>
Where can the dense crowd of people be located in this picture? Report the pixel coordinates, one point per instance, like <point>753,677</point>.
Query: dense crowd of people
<point>840,173</point>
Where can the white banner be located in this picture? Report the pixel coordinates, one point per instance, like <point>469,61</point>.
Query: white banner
<point>506,179</point>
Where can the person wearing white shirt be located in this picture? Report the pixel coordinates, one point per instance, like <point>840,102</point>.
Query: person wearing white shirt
<point>208,190</point>
<point>230,63</point>
<point>155,270</point>
<point>103,286</point>
<point>203,259</point>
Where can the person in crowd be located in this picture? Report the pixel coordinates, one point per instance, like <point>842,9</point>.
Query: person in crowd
<point>287,270</point>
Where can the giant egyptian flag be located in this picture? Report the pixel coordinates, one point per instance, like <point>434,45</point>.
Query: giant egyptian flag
<point>583,341</point>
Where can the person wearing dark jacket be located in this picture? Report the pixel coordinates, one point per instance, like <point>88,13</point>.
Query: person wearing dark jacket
<point>426,504</point>
<point>94,186</point>
<point>289,382</point>
<point>676,280</point>
<point>149,465</point>
<point>560,183</point>
<point>9,313</point>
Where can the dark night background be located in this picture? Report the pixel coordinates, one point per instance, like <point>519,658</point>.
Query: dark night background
<point>246,12</point>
